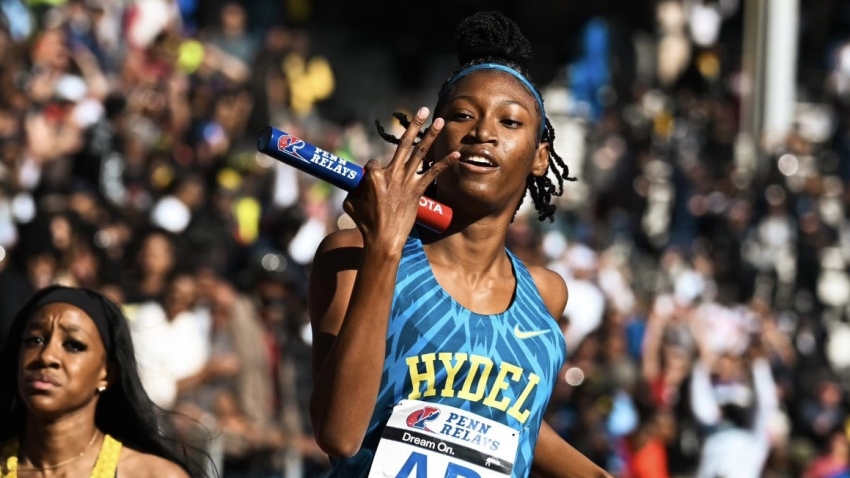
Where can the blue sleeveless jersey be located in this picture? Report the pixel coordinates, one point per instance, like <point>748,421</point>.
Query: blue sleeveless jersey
<point>434,344</point>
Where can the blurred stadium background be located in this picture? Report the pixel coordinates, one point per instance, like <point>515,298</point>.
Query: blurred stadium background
<point>706,243</point>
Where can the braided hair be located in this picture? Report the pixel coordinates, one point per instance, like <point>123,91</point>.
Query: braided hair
<point>491,37</point>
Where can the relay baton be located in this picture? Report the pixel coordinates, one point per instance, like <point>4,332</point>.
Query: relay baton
<point>343,174</point>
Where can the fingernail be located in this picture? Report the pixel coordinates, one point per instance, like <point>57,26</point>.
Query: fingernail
<point>422,113</point>
<point>438,123</point>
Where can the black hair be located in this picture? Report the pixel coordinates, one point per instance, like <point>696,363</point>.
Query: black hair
<point>492,37</point>
<point>124,410</point>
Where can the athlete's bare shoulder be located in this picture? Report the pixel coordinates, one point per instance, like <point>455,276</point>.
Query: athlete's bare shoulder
<point>335,266</point>
<point>552,289</point>
<point>343,238</point>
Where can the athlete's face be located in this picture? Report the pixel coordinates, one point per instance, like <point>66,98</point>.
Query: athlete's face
<point>62,361</point>
<point>493,121</point>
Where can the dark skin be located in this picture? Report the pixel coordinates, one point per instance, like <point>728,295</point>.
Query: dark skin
<point>62,364</point>
<point>489,115</point>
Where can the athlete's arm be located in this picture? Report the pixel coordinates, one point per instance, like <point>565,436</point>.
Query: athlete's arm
<point>554,457</point>
<point>349,311</point>
<point>351,290</point>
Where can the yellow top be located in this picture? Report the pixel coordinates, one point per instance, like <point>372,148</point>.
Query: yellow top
<point>105,467</point>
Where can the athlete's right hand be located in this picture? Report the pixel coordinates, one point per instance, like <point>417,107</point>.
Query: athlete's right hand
<point>384,206</point>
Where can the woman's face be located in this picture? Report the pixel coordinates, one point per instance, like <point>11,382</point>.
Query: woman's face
<point>181,295</point>
<point>492,120</point>
<point>157,256</point>
<point>62,361</point>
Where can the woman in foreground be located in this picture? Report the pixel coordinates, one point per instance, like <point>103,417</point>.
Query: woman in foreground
<point>72,404</point>
<point>436,354</point>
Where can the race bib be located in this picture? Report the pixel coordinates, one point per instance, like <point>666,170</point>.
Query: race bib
<point>426,440</point>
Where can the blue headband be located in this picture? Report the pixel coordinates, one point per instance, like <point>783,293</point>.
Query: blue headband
<point>506,69</point>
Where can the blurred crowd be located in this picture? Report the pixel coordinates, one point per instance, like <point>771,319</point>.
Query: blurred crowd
<point>128,144</point>
<point>707,324</point>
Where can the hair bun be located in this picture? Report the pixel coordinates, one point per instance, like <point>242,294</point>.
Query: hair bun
<point>492,34</point>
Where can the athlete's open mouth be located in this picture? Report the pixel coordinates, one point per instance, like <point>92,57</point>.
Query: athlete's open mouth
<point>478,161</point>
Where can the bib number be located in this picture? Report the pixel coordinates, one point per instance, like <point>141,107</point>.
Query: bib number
<point>426,440</point>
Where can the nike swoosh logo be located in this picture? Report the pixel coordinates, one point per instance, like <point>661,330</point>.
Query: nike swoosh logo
<point>522,335</point>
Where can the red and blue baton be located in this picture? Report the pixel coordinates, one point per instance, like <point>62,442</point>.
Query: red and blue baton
<point>343,174</point>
